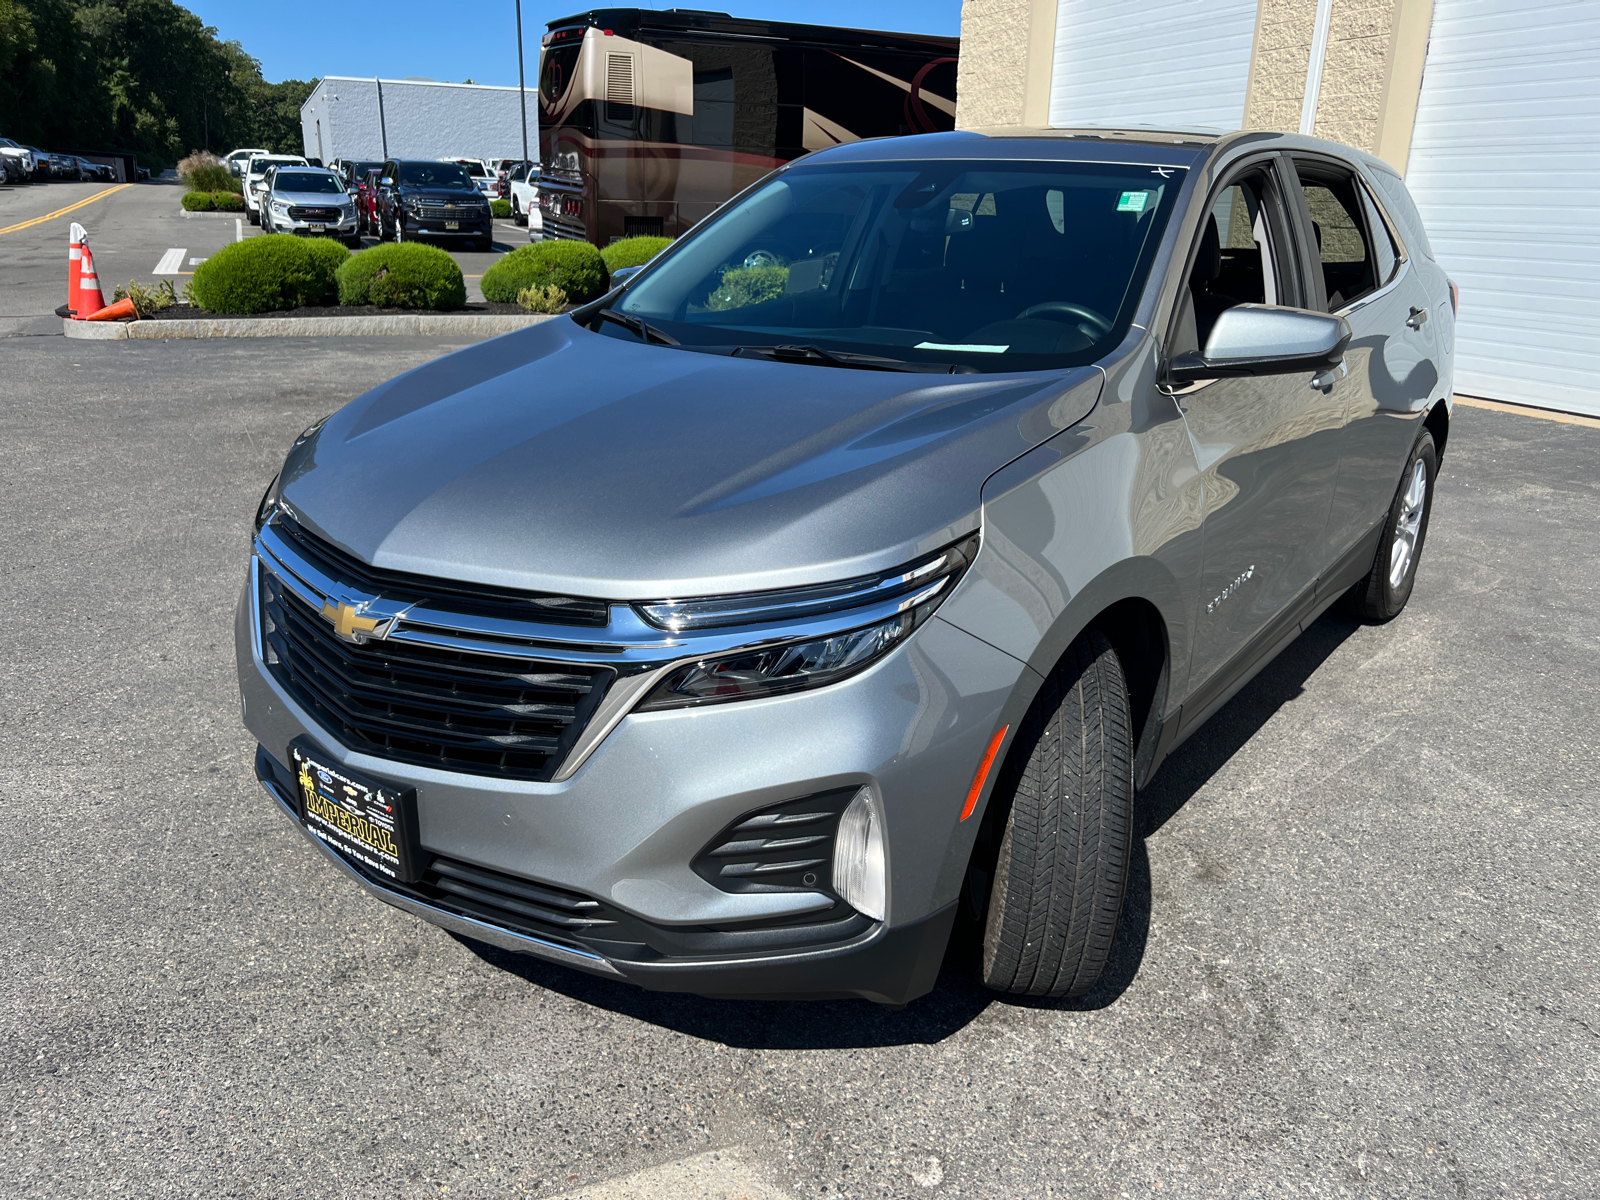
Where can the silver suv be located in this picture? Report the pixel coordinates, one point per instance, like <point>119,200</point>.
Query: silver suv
<point>849,569</point>
<point>308,201</point>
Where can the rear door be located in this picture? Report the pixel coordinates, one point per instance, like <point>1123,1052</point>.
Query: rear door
<point>1268,446</point>
<point>1363,273</point>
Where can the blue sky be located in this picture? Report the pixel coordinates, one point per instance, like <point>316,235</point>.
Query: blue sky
<point>459,40</point>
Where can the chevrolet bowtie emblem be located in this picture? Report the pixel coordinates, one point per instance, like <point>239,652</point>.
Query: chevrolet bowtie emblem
<point>352,626</point>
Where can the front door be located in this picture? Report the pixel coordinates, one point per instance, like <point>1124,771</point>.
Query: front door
<point>1268,445</point>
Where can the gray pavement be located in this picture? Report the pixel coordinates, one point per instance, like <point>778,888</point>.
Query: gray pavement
<point>1359,958</point>
<point>131,230</point>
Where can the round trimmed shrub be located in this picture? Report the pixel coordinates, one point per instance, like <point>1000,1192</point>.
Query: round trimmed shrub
<point>227,201</point>
<point>198,202</point>
<point>403,275</point>
<point>500,208</point>
<point>265,274</point>
<point>574,267</point>
<point>633,252</point>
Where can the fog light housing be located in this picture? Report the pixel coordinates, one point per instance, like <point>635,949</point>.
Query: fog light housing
<point>860,873</point>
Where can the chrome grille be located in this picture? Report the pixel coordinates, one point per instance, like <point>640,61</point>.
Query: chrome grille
<point>441,212</point>
<point>477,598</point>
<point>434,706</point>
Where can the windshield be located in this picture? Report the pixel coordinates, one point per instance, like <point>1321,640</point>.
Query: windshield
<point>436,175</point>
<point>307,181</point>
<point>991,266</point>
<point>261,166</point>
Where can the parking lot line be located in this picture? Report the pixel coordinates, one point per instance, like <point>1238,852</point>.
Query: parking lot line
<point>1524,410</point>
<point>61,212</point>
<point>170,262</point>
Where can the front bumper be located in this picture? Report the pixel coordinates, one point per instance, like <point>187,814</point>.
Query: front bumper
<point>626,826</point>
<point>345,227</point>
<point>467,226</point>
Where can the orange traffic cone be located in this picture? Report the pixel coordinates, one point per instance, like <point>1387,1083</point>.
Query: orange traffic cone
<point>90,298</point>
<point>115,312</point>
<point>75,241</point>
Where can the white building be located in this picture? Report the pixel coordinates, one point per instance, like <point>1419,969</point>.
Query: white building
<point>413,118</point>
<point>1489,107</point>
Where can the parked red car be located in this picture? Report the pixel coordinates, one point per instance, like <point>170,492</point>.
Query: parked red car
<point>366,195</point>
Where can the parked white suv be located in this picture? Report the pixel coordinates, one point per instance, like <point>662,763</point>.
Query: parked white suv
<point>237,160</point>
<point>255,179</point>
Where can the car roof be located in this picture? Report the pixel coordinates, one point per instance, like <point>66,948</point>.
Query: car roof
<point>1161,148</point>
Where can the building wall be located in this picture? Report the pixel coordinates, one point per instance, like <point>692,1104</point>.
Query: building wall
<point>1371,68</point>
<point>1003,77</point>
<point>420,120</point>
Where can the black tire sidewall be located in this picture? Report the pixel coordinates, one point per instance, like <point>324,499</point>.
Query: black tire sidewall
<point>1384,600</point>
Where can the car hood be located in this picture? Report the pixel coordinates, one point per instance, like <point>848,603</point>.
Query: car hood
<point>425,193</point>
<point>560,460</point>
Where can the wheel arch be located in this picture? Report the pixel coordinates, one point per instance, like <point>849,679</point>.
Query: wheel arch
<point>1437,422</point>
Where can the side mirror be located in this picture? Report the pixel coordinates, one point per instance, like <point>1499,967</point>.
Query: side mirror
<point>386,182</point>
<point>1265,339</point>
<point>622,274</point>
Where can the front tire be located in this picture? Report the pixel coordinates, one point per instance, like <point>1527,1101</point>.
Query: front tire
<point>1383,594</point>
<point>1067,798</point>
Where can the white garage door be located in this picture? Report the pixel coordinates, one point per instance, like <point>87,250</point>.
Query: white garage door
<point>1178,64</point>
<point>1505,166</point>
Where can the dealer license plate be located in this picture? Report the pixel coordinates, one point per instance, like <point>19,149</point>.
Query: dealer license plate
<point>362,819</point>
<point>452,224</point>
<point>319,229</point>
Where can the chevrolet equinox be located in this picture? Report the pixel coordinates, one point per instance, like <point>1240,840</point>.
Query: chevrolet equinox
<point>852,565</point>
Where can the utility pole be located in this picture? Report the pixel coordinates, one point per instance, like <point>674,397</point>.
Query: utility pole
<point>522,84</point>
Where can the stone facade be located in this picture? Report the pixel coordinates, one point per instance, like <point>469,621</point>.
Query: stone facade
<point>1003,77</point>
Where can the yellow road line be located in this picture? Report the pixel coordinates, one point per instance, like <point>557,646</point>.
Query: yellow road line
<point>1524,410</point>
<point>61,212</point>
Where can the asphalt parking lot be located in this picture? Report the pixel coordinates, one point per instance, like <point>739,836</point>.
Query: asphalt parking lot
<point>135,230</point>
<point>1359,956</point>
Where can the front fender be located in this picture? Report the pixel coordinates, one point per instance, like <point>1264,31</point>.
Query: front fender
<point>1107,511</point>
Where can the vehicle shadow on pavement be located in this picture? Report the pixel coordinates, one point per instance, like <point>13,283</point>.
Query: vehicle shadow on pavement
<point>959,996</point>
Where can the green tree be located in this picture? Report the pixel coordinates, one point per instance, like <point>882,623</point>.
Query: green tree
<point>136,75</point>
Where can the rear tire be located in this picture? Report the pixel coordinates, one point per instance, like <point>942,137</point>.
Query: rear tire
<point>1063,859</point>
<point>1383,594</point>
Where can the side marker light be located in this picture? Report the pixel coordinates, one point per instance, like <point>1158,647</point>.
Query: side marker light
<point>983,772</point>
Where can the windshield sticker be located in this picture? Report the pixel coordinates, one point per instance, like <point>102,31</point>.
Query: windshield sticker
<point>1133,202</point>
<point>961,346</point>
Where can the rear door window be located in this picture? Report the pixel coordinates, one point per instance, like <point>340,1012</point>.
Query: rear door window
<point>1344,244</point>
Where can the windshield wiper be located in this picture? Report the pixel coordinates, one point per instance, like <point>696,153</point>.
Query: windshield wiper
<point>644,331</point>
<point>845,358</point>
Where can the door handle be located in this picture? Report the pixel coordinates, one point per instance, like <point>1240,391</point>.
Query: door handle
<point>1417,319</point>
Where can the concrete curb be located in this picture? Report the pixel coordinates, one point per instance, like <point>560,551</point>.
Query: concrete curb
<point>425,324</point>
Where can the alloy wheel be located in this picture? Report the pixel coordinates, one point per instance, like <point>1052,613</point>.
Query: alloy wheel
<point>1408,525</point>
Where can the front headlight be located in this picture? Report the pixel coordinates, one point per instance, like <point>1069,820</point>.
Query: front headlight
<point>269,500</point>
<point>897,602</point>
<point>787,668</point>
